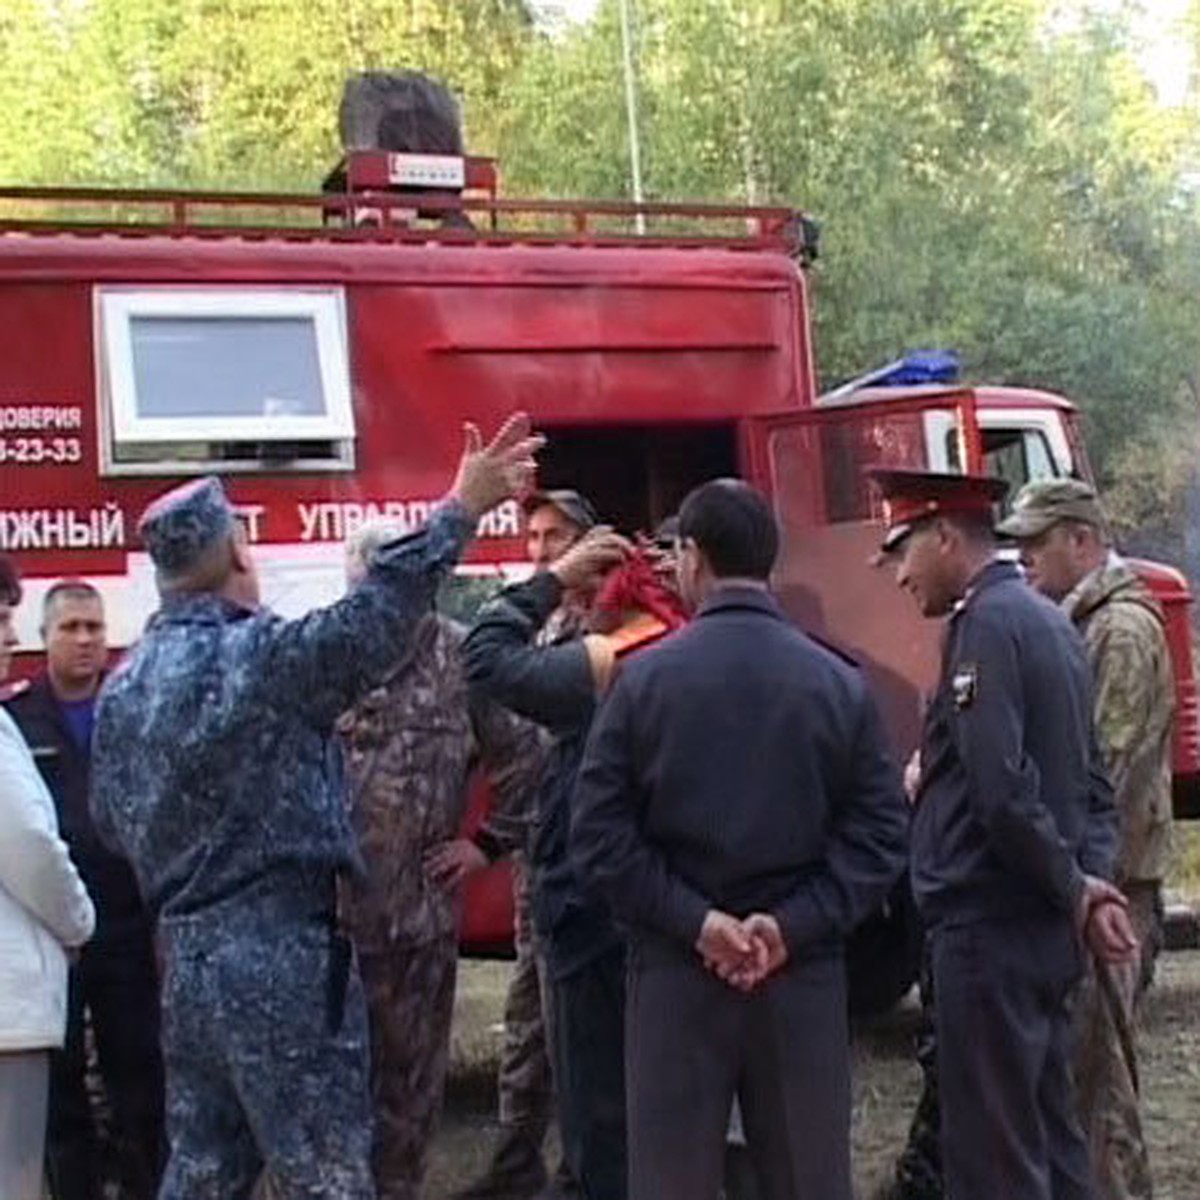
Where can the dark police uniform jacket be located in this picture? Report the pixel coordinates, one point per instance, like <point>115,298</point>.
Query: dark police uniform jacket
<point>1013,805</point>
<point>66,767</point>
<point>553,686</point>
<point>742,766</point>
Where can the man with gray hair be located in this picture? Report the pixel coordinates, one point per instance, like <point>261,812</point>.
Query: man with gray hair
<point>215,774</point>
<point>1068,555</point>
<point>411,745</point>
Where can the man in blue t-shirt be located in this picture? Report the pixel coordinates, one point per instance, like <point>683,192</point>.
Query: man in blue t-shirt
<point>114,982</point>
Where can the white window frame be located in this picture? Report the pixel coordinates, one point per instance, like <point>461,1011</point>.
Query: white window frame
<point>325,307</point>
<point>1047,422</point>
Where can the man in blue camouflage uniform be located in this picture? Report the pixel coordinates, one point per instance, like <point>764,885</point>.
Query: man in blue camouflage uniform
<point>214,774</point>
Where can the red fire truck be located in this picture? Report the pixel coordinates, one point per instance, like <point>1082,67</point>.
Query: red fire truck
<point>321,353</point>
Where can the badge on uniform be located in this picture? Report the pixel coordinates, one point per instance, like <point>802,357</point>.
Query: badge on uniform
<point>966,676</point>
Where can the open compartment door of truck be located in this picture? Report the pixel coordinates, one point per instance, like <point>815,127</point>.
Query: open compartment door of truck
<point>813,465</point>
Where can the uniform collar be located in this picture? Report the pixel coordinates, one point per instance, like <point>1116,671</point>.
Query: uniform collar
<point>996,570</point>
<point>732,596</point>
<point>201,608</point>
<point>1113,580</point>
<point>1094,581</point>
<point>44,690</point>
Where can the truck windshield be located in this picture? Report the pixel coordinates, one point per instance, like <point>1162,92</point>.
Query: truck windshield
<point>1014,455</point>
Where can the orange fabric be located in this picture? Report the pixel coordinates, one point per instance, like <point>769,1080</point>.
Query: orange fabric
<point>637,631</point>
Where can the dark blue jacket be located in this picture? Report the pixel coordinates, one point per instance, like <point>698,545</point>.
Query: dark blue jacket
<point>66,767</point>
<point>1014,805</point>
<point>742,766</point>
<point>213,769</point>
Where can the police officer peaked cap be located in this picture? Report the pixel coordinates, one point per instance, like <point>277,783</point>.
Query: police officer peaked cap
<point>910,497</point>
<point>180,525</point>
<point>1043,503</point>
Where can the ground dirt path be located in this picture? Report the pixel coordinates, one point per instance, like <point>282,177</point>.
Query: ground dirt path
<point>886,1083</point>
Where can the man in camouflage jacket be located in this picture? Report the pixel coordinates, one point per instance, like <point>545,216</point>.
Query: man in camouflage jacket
<point>215,776</point>
<point>410,747</point>
<point>1067,555</point>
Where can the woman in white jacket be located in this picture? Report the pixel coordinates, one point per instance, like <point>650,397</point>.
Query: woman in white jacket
<point>44,911</point>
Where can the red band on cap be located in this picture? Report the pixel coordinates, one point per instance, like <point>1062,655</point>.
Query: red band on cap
<point>903,510</point>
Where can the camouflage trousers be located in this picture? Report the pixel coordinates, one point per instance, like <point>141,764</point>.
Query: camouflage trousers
<point>410,1002</point>
<point>1106,1071</point>
<point>526,1084</point>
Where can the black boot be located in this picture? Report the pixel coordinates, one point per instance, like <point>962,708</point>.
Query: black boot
<point>516,1171</point>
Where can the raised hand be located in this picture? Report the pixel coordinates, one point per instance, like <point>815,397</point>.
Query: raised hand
<point>501,469</point>
<point>591,557</point>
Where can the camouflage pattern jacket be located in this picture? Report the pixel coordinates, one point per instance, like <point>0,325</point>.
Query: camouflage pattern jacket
<point>1134,703</point>
<point>213,766</point>
<point>410,746</point>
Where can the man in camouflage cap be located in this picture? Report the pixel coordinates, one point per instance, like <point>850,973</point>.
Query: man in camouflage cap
<point>1067,553</point>
<point>215,775</point>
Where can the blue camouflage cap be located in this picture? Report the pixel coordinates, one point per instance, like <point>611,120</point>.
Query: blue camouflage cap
<point>184,522</point>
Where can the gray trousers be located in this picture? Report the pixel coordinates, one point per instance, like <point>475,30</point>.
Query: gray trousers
<point>693,1044</point>
<point>24,1086</point>
<point>1009,1122</point>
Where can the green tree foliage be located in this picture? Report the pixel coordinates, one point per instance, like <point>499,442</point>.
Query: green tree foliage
<point>995,175</point>
<point>238,93</point>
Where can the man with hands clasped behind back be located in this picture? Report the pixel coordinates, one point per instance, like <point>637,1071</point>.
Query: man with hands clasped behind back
<point>738,809</point>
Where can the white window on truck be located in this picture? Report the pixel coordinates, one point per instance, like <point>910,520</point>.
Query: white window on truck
<point>195,379</point>
<point>1018,445</point>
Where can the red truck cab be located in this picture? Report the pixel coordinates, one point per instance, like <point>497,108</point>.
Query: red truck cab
<point>322,353</point>
<point>1017,434</point>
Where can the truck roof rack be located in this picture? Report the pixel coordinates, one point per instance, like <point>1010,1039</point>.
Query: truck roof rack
<point>375,196</point>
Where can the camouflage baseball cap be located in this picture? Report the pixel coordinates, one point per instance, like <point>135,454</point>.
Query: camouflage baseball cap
<point>1044,502</point>
<point>180,525</point>
<point>574,506</point>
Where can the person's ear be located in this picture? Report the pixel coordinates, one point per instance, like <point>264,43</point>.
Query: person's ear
<point>239,553</point>
<point>690,548</point>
